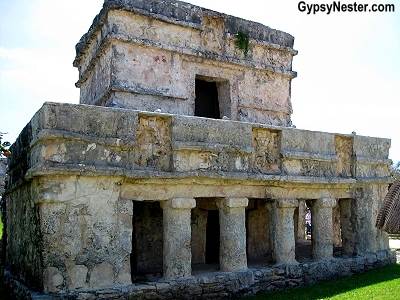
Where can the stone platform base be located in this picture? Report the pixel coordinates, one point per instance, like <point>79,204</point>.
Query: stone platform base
<point>223,285</point>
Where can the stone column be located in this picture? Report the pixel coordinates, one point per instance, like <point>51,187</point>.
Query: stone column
<point>300,221</point>
<point>368,201</point>
<point>283,235</point>
<point>348,225</point>
<point>322,228</point>
<point>232,218</point>
<point>177,252</point>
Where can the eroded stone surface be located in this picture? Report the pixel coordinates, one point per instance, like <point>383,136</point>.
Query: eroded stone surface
<point>116,70</point>
<point>89,211</point>
<point>140,199</point>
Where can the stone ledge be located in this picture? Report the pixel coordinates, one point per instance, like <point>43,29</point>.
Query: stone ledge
<point>106,41</point>
<point>42,169</point>
<point>288,154</point>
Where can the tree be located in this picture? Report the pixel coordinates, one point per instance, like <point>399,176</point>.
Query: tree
<point>4,152</point>
<point>394,170</point>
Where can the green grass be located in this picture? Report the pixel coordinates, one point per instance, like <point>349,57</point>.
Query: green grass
<point>382,283</point>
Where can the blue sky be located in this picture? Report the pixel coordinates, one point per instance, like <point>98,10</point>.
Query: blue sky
<point>348,63</point>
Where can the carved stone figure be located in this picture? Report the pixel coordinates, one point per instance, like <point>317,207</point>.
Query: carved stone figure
<point>266,155</point>
<point>153,148</point>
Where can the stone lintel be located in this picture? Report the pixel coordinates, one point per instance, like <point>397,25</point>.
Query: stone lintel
<point>325,202</point>
<point>286,203</point>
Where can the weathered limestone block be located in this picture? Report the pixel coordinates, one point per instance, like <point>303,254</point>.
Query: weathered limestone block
<point>23,239</point>
<point>322,228</point>
<point>348,225</point>
<point>153,143</point>
<point>370,238</point>
<point>177,237</point>
<point>371,157</point>
<point>344,153</point>
<point>53,280</point>
<point>266,156</point>
<point>88,208</point>
<point>124,273</point>
<point>232,217</point>
<point>283,230</point>
<point>102,275</point>
<point>195,147</point>
<point>308,153</point>
<point>77,275</point>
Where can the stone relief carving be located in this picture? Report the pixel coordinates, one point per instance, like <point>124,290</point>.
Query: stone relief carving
<point>211,36</point>
<point>148,32</point>
<point>344,151</point>
<point>195,160</point>
<point>205,160</point>
<point>153,140</point>
<point>210,160</point>
<point>266,157</point>
<point>315,168</point>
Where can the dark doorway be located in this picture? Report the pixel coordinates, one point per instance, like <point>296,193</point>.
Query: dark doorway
<point>212,237</point>
<point>206,103</point>
<point>147,239</point>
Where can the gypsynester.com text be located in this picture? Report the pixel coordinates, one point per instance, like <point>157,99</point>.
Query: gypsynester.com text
<point>337,6</point>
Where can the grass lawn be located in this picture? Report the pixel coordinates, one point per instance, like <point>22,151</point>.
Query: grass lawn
<point>382,283</point>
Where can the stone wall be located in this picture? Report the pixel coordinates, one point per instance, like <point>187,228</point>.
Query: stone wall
<point>140,199</point>
<point>222,285</point>
<point>149,57</point>
<point>105,190</point>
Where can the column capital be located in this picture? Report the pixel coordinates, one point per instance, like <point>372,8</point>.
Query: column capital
<point>286,203</point>
<point>232,202</point>
<point>179,203</point>
<point>325,202</point>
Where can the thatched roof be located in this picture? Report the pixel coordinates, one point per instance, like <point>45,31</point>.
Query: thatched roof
<point>388,218</point>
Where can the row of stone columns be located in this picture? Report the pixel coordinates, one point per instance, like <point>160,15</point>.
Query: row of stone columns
<point>283,237</point>
<point>177,233</point>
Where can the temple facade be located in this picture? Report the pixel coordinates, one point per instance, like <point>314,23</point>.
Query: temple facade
<point>180,176</point>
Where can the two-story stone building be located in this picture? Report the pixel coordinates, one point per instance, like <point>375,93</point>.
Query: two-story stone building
<point>179,176</point>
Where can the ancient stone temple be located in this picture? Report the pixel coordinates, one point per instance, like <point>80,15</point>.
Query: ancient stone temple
<point>179,176</point>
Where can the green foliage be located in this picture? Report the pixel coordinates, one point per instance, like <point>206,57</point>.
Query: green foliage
<point>395,170</point>
<point>378,284</point>
<point>4,152</point>
<point>242,42</point>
